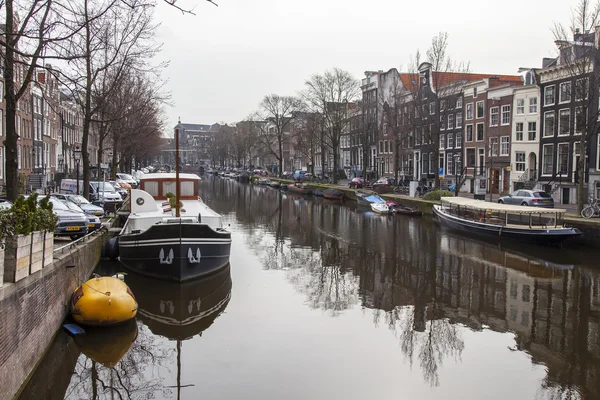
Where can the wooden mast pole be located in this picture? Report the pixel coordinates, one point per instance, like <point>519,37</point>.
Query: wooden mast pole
<point>177,194</point>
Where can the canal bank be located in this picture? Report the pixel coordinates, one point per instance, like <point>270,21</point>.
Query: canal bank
<point>590,228</point>
<point>33,309</point>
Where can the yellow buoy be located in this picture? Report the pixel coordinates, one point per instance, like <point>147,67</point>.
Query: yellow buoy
<point>103,301</point>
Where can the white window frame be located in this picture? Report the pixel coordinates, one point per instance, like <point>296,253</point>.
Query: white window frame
<point>520,162</point>
<point>449,164</point>
<point>432,108</point>
<point>558,146</point>
<point>494,150</point>
<point>586,81</point>
<point>450,141</point>
<point>459,120</point>
<point>517,131</point>
<point>578,110</point>
<point>450,121</point>
<point>546,125</point>
<point>569,93</point>
<point>459,102</point>
<point>467,132</point>
<point>533,105</point>
<point>504,141</point>
<point>568,131</point>
<point>505,115</point>
<point>477,108</point>
<point>549,88</point>
<point>544,151</point>
<point>520,106</point>
<point>458,140</point>
<point>529,131</point>
<point>494,114</point>
<point>477,131</point>
<point>469,110</point>
<point>442,141</point>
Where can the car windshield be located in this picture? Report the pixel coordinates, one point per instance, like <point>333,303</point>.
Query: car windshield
<point>542,194</point>
<point>72,206</point>
<point>104,187</point>
<point>80,200</point>
<point>57,204</point>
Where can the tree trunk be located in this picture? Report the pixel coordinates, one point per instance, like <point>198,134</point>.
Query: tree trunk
<point>280,145</point>
<point>85,157</point>
<point>11,156</point>
<point>581,194</point>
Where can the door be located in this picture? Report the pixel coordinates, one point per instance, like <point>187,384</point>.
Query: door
<point>495,180</point>
<point>505,181</point>
<point>566,195</point>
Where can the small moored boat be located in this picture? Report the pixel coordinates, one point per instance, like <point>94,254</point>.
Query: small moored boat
<point>333,194</point>
<point>525,224</point>
<point>403,210</point>
<point>103,301</point>
<point>366,198</point>
<point>299,189</point>
<point>381,208</point>
<point>275,184</point>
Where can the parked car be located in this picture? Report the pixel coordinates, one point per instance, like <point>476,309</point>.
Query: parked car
<point>535,198</point>
<point>93,221</point>
<point>384,185</point>
<point>130,180</point>
<point>357,183</point>
<point>82,203</point>
<point>70,223</point>
<point>299,175</point>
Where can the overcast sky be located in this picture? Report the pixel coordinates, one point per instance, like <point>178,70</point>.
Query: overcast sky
<point>226,58</point>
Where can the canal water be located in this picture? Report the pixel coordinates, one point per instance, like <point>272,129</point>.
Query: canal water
<point>327,301</point>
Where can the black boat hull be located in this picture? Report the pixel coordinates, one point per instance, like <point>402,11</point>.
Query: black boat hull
<point>526,235</point>
<point>176,252</point>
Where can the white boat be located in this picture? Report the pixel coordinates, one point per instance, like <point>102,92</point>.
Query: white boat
<point>381,208</point>
<point>524,224</point>
<point>163,241</point>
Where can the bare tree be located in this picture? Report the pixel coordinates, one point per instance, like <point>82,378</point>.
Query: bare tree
<point>333,94</point>
<point>278,112</point>
<point>306,136</point>
<point>578,60</point>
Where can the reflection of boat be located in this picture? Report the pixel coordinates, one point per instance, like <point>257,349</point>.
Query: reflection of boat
<point>264,181</point>
<point>333,194</point>
<point>299,189</point>
<point>170,242</point>
<point>108,345</point>
<point>103,301</point>
<point>179,311</point>
<point>525,224</point>
<point>275,184</point>
<point>366,198</point>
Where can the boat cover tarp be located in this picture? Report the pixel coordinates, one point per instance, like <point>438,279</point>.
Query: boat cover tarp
<point>374,199</point>
<point>485,205</point>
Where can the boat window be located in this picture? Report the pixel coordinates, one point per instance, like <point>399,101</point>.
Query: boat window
<point>151,187</point>
<point>169,187</point>
<point>187,188</point>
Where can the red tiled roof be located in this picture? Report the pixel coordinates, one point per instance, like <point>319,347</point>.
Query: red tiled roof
<point>411,81</point>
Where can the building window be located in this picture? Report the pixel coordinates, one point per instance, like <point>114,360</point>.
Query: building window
<point>424,109</point>
<point>549,95</point>
<point>531,130</point>
<point>581,89</point>
<point>564,92</point>
<point>459,120</point>
<point>451,121</point>
<point>459,102</point>
<point>547,159</point>
<point>418,136</point>
<point>504,141</point>
<point>469,137</point>
<point>469,111</point>
<point>564,122</point>
<point>549,124</point>
<point>470,157</point>
<point>493,150</point>
<point>449,164</point>
<point>479,132</point>
<point>450,141</point>
<point>480,109</point>
<point>442,123</point>
<point>520,161</point>
<point>533,105</point>
<point>506,114</point>
<point>519,131</point>
<point>442,142</point>
<point>458,140</point>
<point>494,116</point>
<point>520,106</point>
<point>563,158</point>
<point>432,108</point>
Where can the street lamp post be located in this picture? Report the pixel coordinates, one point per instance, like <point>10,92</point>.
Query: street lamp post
<point>77,158</point>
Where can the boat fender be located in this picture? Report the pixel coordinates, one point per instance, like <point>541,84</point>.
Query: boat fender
<point>111,248</point>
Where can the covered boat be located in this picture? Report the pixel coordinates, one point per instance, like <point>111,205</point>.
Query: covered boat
<point>168,240</point>
<point>526,224</point>
<point>381,208</point>
<point>103,301</point>
<point>401,209</point>
<point>366,198</point>
<point>299,189</point>
<point>333,194</point>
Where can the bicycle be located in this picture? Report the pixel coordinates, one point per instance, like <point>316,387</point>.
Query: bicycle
<point>592,209</point>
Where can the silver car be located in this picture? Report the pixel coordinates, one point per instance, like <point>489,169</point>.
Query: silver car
<point>534,198</point>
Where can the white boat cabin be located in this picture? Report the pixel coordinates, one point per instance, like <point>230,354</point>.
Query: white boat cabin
<point>150,204</point>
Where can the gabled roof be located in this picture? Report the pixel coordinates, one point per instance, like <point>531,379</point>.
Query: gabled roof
<point>411,81</point>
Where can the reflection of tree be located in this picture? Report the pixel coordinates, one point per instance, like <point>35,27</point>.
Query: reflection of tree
<point>136,376</point>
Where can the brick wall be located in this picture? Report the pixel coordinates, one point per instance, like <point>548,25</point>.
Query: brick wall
<point>34,308</point>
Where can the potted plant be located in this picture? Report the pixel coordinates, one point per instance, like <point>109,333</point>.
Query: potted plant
<point>25,224</point>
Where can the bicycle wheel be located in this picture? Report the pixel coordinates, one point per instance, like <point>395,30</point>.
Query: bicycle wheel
<point>587,212</point>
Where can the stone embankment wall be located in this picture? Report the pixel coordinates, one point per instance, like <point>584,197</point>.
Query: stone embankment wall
<point>34,308</point>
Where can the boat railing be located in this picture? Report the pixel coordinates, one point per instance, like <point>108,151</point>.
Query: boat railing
<point>495,217</point>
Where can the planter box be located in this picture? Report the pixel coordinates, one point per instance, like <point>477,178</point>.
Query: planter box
<point>17,258</point>
<point>48,248</point>
<point>37,252</point>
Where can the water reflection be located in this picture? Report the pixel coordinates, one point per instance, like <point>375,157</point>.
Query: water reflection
<point>426,284</point>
